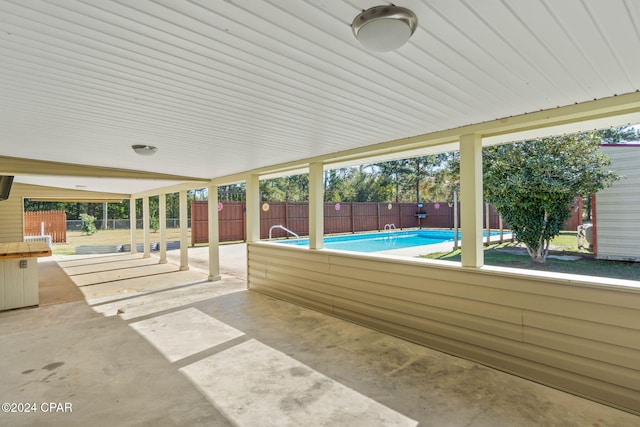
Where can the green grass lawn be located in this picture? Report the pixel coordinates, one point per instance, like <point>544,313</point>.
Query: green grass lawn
<point>114,237</point>
<point>109,237</point>
<point>516,256</point>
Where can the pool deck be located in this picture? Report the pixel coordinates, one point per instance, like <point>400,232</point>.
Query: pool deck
<point>415,251</point>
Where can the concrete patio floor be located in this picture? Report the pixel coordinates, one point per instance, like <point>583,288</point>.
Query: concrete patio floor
<point>154,346</point>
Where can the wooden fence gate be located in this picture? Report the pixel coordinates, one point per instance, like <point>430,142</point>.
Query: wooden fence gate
<point>52,223</point>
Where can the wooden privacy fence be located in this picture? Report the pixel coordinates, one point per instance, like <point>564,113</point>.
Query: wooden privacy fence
<point>53,222</point>
<point>348,217</point>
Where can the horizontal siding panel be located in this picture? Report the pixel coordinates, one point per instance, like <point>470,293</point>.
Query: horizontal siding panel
<point>426,311</point>
<point>454,311</point>
<point>11,218</point>
<point>262,287</point>
<point>584,366</point>
<point>618,231</point>
<point>447,285</point>
<point>417,311</point>
<point>290,253</point>
<point>625,337</point>
<point>592,312</point>
<point>406,320</point>
<point>309,292</point>
<point>299,265</point>
<point>301,273</point>
<point>601,295</point>
<point>620,250</point>
<point>294,283</point>
<point>413,308</point>
<point>463,305</point>
<point>257,270</point>
<point>621,356</point>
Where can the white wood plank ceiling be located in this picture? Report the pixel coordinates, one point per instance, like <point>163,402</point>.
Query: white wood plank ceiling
<point>222,87</point>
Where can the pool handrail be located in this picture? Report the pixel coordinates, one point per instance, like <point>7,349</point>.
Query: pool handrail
<point>282,227</point>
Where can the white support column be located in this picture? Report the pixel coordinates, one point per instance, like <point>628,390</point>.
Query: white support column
<point>132,225</point>
<point>253,208</point>
<point>162,219</point>
<point>471,200</point>
<point>184,240</point>
<point>145,227</point>
<point>214,235</point>
<point>316,206</point>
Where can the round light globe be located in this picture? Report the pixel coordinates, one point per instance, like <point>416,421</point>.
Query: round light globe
<point>384,28</point>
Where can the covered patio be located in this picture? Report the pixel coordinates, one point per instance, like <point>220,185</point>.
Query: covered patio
<point>149,352</point>
<point>219,93</point>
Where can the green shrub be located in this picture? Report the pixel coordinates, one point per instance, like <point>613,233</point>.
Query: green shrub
<point>88,224</point>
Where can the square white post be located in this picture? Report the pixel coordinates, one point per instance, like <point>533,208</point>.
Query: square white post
<point>145,227</point>
<point>184,241</point>
<point>214,235</point>
<point>162,219</point>
<point>316,206</point>
<point>253,208</point>
<point>132,224</point>
<point>471,200</point>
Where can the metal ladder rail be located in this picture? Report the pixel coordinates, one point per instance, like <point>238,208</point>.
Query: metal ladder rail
<point>282,228</point>
<point>390,227</point>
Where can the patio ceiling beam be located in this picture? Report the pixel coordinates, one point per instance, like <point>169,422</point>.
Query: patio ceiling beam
<point>20,166</point>
<point>597,114</point>
<point>185,186</point>
<point>42,193</point>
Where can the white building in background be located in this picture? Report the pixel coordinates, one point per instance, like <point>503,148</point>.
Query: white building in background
<point>617,208</point>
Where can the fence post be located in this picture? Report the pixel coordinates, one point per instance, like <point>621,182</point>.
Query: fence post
<point>286,214</point>
<point>488,223</point>
<point>353,215</point>
<point>244,221</point>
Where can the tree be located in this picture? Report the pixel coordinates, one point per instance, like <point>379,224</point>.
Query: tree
<point>533,184</point>
<point>394,172</point>
<point>621,135</point>
<point>427,175</point>
<point>292,188</point>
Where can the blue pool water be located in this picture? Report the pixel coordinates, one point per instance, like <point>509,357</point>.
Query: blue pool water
<point>381,241</point>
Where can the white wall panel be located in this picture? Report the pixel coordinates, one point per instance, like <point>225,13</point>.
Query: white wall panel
<point>618,207</point>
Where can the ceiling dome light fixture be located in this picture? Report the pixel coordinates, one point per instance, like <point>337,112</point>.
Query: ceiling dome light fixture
<point>145,150</point>
<point>384,28</point>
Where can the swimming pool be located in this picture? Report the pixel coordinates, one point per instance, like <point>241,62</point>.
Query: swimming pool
<point>382,241</point>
